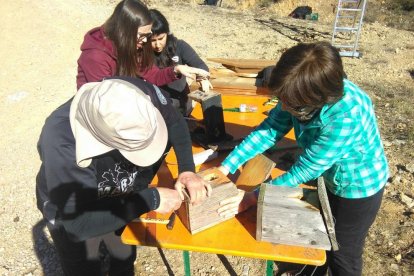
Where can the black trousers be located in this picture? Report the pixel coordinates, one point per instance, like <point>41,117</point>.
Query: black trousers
<point>102,255</point>
<point>353,218</point>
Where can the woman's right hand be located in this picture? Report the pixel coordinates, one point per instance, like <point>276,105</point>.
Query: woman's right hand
<point>170,201</point>
<point>189,72</point>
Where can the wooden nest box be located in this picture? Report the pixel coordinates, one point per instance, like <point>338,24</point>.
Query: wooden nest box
<point>200,217</point>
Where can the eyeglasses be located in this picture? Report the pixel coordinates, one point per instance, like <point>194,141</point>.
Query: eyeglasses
<point>141,37</point>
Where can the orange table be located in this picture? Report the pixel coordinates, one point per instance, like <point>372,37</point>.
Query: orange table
<point>239,232</point>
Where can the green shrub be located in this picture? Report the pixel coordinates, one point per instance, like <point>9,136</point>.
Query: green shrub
<point>406,5</point>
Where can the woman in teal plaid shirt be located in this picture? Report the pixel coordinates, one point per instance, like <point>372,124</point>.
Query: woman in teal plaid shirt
<point>335,125</point>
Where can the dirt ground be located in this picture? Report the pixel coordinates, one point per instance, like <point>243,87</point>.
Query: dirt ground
<point>38,53</point>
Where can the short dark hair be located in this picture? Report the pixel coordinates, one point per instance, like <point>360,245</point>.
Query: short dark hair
<point>308,75</point>
<point>122,29</point>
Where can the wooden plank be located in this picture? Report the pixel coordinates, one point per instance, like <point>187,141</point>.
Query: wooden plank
<point>295,228</point>
<point>282,217</point>
<point>203,216</point>
<point>225,72</point>
<point>235,85</point>
<point>243,63</point>
<point>326,211</point>
<point>255,171</point>
<point>239,86</point>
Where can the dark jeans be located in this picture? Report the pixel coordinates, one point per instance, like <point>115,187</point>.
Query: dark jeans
<point>353,218</point>
<point>88,257</point>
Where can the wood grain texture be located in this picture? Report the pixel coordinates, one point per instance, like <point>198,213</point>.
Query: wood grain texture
<point>243,63</point>
<point>283,218</point>
<point>200,217</point>
<point>256,171</point>
<point>326,211</point>
<point>239,86</point>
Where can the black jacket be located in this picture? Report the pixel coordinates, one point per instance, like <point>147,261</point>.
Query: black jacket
<point>112,191</point>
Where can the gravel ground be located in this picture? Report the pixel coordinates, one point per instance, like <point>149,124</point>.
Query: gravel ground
<point>39,49</point>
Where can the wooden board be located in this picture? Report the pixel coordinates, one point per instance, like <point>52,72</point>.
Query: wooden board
<point>283,218</point>
<point>239,86</point>
<point>203,216</point>
<point>326,211</point>
<point>225,72</point>
<point>255,171</point>
<point>244,65</point>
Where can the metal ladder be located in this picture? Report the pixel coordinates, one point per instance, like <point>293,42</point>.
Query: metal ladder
<point>347,26</point>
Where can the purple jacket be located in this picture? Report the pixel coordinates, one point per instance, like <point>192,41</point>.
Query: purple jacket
<point>98,60</point>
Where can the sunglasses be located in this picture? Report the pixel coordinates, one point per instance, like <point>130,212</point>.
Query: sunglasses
<point>141,36</point>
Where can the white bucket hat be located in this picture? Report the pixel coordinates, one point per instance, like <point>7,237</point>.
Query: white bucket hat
<point>115,114</point>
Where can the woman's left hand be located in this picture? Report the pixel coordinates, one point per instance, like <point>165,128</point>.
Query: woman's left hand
<point>197,188</point>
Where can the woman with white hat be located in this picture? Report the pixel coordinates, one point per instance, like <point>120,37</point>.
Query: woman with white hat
<point>97,150</point>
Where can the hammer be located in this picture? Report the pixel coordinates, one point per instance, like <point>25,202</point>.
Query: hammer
<point>169,222</point>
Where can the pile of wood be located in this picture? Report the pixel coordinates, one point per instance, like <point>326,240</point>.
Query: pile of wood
<point>238,76</point>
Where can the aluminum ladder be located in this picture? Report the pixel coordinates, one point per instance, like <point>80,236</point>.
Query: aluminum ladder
<point>347,26</point>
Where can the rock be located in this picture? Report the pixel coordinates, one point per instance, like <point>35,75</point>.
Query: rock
<point>386,143</point>
<point>394,267</point>
<point>410,167</point>
<point>396,179</point>
<point>399,142</point>
<point>398,258</point>
<point>407,200</point>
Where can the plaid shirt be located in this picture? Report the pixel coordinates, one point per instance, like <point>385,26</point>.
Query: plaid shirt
<point>342,143</point>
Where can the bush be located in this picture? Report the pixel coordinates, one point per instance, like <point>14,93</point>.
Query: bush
<point>406,5</point>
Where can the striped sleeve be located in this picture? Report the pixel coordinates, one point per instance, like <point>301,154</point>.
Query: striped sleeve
<point>271,130</point>
<point>335,139</point>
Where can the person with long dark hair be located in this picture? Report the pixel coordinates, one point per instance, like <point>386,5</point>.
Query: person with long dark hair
<point>120,48</point>
<point>171,51</point>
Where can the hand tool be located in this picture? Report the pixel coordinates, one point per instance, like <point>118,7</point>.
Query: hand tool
<point>171,222</point>
<point>152,220</point>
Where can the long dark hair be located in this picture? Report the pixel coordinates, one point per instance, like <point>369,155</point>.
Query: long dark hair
<point>160,26</point>
<point>122,29</point>
<point>308,75</point>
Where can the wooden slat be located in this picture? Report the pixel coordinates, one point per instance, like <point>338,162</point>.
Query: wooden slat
<point>243,63</point>
<point>256,171</point>
<point>225,72</point>
<point>205,215</point>
<point>326,211</point>
<point>200,217</point>
<point>239,86</point>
